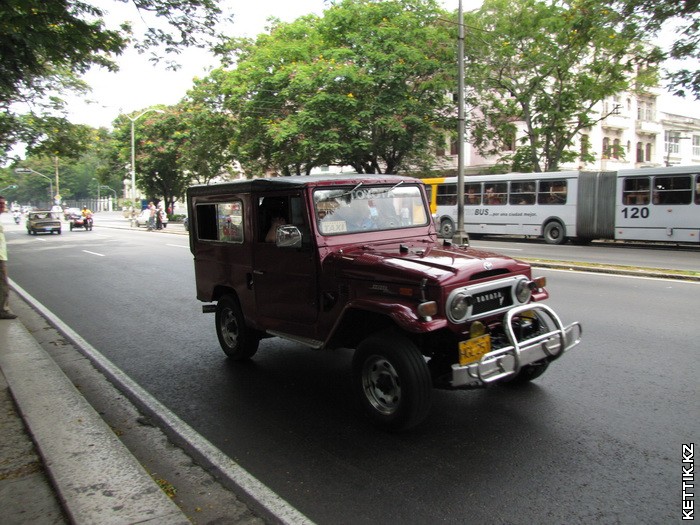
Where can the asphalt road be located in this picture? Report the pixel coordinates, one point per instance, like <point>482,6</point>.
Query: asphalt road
<point>596,439</point>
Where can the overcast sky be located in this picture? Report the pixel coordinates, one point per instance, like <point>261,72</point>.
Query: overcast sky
<point>140,84</point>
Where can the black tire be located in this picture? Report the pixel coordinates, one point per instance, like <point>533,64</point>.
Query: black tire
<point>554,233</point>
<point>237,340</point>
<point>392,381</point>
<point>447,228</point>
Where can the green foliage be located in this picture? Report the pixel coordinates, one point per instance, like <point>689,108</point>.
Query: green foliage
<point>46,45</point>
<point>363,86</point>
<point>652,15</point>
<point>549,65</point>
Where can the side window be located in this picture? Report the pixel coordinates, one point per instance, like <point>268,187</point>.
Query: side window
<point>220,222</point>
<point>472,193</point>
<point>697,189</point>
<point>447,195</point>
<point>230,221</point>
<point>522,193</point>
<point>672,190</point>
<point>552,192</point>
<point>495,193</point>
<point>635,190</point>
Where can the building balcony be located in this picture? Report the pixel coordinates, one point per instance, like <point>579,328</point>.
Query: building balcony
<point>648,126</point>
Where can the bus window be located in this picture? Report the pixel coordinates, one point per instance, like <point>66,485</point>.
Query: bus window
<point>552,192</point>
<point>697,189</point>
<point>495,193</point>
<point>672,190</point>
<point>522,192</point>
<point>635,190</point>
<point>472,193</point>
<point>447,195</point>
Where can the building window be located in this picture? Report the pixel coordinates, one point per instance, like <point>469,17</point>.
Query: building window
<point>647,156</point>
<point>696,146</point>
<point>671,141</point>
<point>616,149</point>
<point>585,145</point>
<point>606,148</point>
<point>640,152</point>
<point>454,147</point>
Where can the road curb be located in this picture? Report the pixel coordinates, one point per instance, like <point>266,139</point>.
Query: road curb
<point>634,272</point>
<point>263,501</point>
<point>97,479</point>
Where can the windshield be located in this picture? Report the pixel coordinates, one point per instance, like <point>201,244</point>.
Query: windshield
<point>369,208</point>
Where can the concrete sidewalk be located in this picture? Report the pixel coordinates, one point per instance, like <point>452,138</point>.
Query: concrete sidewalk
<point>96,478</point>
<point>88,455</point>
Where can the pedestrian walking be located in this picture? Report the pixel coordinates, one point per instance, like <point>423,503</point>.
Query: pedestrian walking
<point>5,312</point>
<point>159,216</point>
<point>151,216</point>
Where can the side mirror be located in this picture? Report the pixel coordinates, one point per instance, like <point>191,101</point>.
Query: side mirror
<point>288,236</point>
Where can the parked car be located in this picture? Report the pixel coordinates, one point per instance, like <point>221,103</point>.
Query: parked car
<point>353,261</point>
<point>43,222</point>
<point>142,218</point>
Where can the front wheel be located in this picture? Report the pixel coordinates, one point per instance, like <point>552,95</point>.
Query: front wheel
<point>392,381</point>
<point>447,228</point>
<point>237,340</point>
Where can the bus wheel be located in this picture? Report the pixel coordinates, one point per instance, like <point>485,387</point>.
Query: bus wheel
<point>447,228</point>
<point>554,233</point>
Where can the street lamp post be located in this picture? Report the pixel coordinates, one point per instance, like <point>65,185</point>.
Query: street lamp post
<point>30,170</point>
<point>133,158</point>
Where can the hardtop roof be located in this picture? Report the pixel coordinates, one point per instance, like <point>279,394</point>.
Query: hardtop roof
<point>282,183</point>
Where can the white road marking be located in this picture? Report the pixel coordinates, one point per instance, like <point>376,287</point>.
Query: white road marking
<point>94,253</point>
<point>178,245</point>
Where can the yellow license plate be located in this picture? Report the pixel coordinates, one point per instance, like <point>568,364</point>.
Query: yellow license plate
<point>474,349</point>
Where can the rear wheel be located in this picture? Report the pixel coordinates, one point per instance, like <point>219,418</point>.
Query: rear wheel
<point>554,233</point>
<point>392,381</point>
<point>237,340</point>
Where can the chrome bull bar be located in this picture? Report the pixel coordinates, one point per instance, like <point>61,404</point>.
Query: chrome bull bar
<point>506,362</point>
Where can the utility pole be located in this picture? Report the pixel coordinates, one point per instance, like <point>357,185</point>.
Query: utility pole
<point>460,237</point>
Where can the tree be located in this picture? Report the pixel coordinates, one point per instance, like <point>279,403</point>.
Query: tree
<point>46,46</point>
<point>159,140</point>
<point>363,86</point>
<point>652,15</point>
<point>548,65</point>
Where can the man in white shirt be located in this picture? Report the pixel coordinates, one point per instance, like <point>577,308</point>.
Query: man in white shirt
<point>4,285</point>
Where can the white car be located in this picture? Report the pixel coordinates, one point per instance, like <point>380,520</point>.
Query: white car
<point>142,218</point>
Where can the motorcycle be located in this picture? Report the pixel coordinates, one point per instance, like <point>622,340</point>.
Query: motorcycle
<point>78,221</point>
<point>17,216</point>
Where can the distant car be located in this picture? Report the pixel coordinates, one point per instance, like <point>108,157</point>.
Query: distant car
<point>142,218</point>
<point>186,223</point>
<point>43,222</point>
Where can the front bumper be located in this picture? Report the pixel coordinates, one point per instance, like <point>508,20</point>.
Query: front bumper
<point>504,363</point>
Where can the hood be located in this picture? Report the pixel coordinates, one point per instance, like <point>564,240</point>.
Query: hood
<point>411,262</point>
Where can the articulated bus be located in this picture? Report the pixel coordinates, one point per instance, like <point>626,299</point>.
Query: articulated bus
<point>647,204</point>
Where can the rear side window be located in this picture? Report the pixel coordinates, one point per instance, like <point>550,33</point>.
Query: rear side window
<point>673,190</point>
<point>220,222</point>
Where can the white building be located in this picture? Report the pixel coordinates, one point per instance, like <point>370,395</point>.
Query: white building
<point>635,134</point>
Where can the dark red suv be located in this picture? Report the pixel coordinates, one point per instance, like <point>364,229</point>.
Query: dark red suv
<point>353,261</point>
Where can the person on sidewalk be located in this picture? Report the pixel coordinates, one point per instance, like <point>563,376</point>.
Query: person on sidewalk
<point>4,284</point>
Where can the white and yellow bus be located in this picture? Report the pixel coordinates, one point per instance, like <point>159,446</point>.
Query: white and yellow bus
<point>648,204</point>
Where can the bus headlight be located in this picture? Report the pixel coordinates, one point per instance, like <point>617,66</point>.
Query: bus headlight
<point>459,307</point>
<point>523,291</point>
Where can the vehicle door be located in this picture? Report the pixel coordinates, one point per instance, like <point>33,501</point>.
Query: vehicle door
<point>284,278</point>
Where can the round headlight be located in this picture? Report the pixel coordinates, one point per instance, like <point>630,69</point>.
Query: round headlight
<point>523,291</point>
<point>459,307</point>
